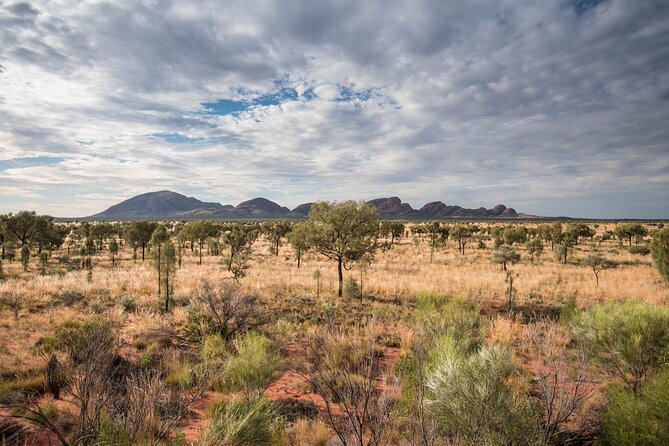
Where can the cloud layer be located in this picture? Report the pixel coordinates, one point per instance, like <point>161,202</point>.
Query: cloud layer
<point>553,107</point>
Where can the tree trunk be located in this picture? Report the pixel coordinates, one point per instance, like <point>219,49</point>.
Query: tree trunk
<point>167,289</point>
<point>158,264</point>
<point>200,263</point>
<point>299,257</point>
<point>341,277</point>
<point>143,251</point>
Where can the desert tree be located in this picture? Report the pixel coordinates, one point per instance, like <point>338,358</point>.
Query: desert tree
<point>299,238</point>
<point>437,233</point>
<point>200,231</point>
<point>514,234</point>
<point>21,226</point>
<point>239,238</point>
<point>343,232</point>
<point>505,254</point>
<point>597,262</point>
<point>43,261</point>
<point>534,247</point>
<point>139,234</point>
<point>113,250</point>
<point>100,232</point>
<point>165,260</point>
<point>393,229</point>
<point>275,232</point>
<point>463,234</point>
<point>158,238</point>
<point>660,251</point>
<point>565,240</point>
<point>25,257</point>
<point>4,234</point>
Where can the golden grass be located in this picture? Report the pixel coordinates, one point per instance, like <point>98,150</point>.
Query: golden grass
<point>397,273</point>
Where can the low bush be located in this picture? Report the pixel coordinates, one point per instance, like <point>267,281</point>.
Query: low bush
<point>630,340</point>
<point>472,401</point>
<point>245,422</point>
<point>641,420</point>
<point>640,250</point>
<point>252,366</point>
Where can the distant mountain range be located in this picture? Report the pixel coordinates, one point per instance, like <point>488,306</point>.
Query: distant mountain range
<point>166,205</point>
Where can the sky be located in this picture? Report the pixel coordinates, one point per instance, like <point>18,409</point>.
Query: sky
<point>553,107</point>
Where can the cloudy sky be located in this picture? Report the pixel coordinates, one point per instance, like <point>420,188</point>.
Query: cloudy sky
<point>554,107</point>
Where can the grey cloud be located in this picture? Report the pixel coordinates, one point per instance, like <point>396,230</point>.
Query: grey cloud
<point>540,103</point>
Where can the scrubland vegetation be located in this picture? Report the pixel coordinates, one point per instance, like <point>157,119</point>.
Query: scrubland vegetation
<point>336,330</point>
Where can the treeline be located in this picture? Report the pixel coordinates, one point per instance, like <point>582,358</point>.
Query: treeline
<point>348,233</point>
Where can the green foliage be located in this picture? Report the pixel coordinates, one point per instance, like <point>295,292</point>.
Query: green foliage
<point>472,400</point>
<point>25,256</point>
<point>630,340</point>
<point>660,250</point>
<point>640,420</point>
<point>639,250</point>
<point>80,339</point>
<point>351,288</point>
<point>343,232</point>
<point>427,301</point>
<point>436,318</point>
<point>505,254</point>
<point>253,364</point>
<point>245,422</point>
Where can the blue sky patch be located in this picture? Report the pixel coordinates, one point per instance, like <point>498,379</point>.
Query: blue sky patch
<point>582,6</point>
<point>235,107</point>
<point>29,161</point>
<point>176,138</point>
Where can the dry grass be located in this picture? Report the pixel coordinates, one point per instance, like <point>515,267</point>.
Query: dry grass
<point>397,273</point>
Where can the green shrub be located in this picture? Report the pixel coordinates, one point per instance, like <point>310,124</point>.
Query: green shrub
<point>456,318</point>
<point>471,399</point>
<point>128,305</point>
<point>641,420</point>
<point>213,348</point>
<point>252,365</point>
<point>180,376</point>
<point>81,339</point>
<point>245,422</point>
<point>428,302</point>
<point>641,250</point>
<point>630,340</point>
<point>660,250</point>
<point>351,288</point>
<point>30,385</point>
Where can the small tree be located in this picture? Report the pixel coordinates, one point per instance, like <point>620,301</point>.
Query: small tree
<point>392,229</point>
<point>438,235</point>
<point>505,254</point>
<point>463,235</point>
<point>276,231</point>
<point>343,232</point>
<point>113,250</point>
<point>299,238</point>
<point>535,248</point>
<point>25,257</point>
<point>159,237</point>
<point>597,262</point>
<point>200,231</point>
<point>660,251</point>
<point>43,260</point>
